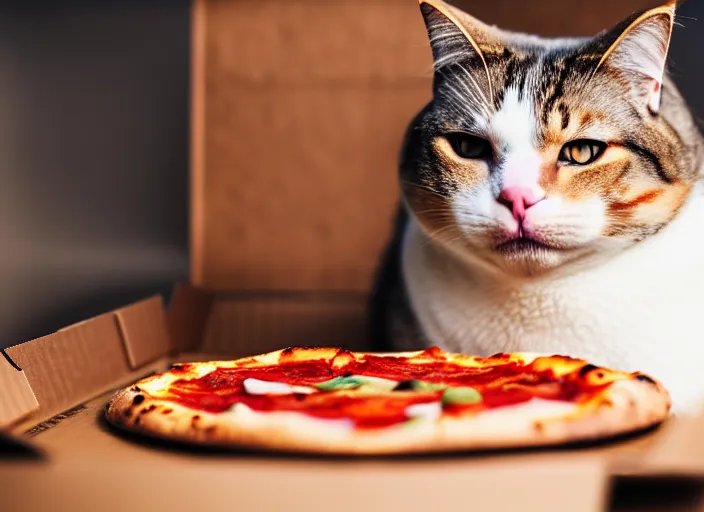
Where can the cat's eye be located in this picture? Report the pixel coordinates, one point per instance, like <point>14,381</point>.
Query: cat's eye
<point>469,146</point>
<point>581,152</point>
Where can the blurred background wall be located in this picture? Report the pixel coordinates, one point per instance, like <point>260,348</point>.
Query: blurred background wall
<point>94,145</point>
<point>93,157</point>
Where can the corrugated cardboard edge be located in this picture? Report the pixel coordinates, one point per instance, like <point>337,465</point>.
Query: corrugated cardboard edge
<point>197,174</point>
<point>17,399</point>
<point>100,346</point>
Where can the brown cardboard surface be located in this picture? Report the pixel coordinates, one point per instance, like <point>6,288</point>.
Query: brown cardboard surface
<point>18,399</point>
<point>144,331</point>
<point>251,485</point>
<point>299,117</point>
<point>247,325</point>
<point>188,314</point>
<point>680,450</point>
<point>311,213</point>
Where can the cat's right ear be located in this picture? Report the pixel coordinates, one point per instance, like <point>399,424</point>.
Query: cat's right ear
<point>455,38</point>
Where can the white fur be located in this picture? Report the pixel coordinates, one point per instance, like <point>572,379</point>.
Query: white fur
<point>641,310</point>
<point>513,127</point>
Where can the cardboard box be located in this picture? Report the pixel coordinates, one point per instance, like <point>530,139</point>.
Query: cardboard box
<point>298,111</point>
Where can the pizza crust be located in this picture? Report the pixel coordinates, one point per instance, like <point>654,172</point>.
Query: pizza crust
<point>624,407</point>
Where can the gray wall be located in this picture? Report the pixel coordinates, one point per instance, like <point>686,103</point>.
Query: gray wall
<point>94,152</point>
<point>93,158</point>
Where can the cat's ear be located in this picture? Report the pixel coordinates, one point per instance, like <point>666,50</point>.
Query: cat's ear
<point>639,52</point>
<point>455,38</point>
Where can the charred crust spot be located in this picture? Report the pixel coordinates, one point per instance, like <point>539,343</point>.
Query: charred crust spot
<point>176,367</point>
<point>644,378</point>
<point>347,374</point>
<point>194,421</point>
<point>584,370</point>
<point>136,420</point>
<point>539,427</point>
<point>137,389</point>
<point>147,409</point>
<point>288,351</point>
<point>600,375</point>
<point>404,385</point>
<point>138,399</point>
<point>127,413</point>
<point>499,356</point>
<point>167,411</point>
<point>299,396</point>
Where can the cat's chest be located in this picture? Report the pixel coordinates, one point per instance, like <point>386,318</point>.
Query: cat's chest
<point>626,314</point>
<point>609,320</point>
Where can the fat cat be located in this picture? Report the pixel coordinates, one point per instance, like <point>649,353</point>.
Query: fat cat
<point>551,202</point>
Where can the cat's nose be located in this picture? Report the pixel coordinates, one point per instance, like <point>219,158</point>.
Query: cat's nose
<point>519,199</point>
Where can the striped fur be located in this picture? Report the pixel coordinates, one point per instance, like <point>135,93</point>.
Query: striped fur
<point>528,97</point>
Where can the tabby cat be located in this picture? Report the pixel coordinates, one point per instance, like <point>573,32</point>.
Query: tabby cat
<point>552,203</point>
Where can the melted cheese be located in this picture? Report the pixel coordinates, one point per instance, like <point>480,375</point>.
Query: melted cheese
<point>264,387</point>
<point>429,411</point>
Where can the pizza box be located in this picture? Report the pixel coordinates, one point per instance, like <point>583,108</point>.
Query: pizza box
<point>298,109</point>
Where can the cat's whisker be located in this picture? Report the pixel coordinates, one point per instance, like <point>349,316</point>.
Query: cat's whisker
<point>426,189</point>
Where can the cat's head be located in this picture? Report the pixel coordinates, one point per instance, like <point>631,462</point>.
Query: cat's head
<point>538,152</point>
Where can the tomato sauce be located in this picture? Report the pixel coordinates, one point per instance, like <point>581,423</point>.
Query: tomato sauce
<point>500,384</point>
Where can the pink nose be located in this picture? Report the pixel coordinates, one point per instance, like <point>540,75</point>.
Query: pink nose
<point>519,199</point>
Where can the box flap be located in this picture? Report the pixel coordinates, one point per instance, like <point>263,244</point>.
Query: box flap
<point>144,331</point>
<point>16,396</point>
<point>76,363</point>
<point>73,364</point>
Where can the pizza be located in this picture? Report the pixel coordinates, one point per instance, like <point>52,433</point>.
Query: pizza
<point>331,400</point>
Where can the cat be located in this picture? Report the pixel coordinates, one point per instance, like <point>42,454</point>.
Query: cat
<point>551,202</point>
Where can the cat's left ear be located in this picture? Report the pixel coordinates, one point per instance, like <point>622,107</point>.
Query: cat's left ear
<point>640,51</point>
